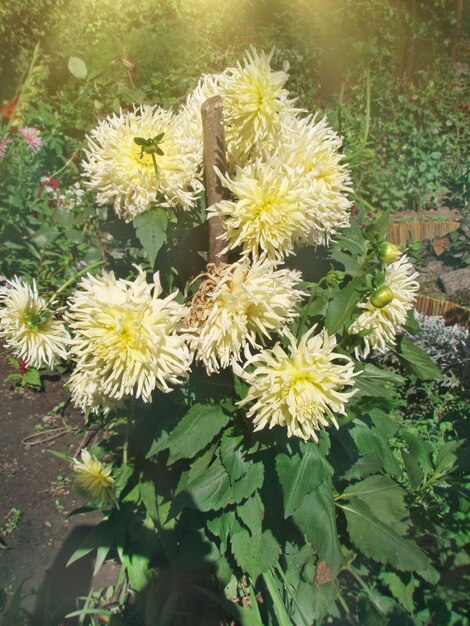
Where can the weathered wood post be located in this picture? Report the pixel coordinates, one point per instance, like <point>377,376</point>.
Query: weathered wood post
<point>214,156</point>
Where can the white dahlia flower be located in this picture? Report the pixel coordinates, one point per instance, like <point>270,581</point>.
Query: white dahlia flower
<point>93,479</point>
<point>312,148</point>
<point>271,210</point>
<point>30,330</point>
<point>240,304</point>
<point>253,99</point>
<point>124,175</point>
<point>385,313</point>
<point>87,394</point>
<point>127,335</point>
<point>303,389</point>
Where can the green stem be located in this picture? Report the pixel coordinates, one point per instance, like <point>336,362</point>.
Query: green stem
<point>279,608</point>
<point>66,164</point>
<point>25,86</point>
<point>367,124</point>
<point>70,281</point>
<point>287,587</point>
<point>359,580</point>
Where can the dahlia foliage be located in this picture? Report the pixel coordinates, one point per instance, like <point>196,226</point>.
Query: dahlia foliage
<point>230,377</point>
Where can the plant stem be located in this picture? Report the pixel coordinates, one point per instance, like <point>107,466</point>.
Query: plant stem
<point>367,122</point>
<point>279,608</point>
<point>70,281</point>
<point>23,89</point>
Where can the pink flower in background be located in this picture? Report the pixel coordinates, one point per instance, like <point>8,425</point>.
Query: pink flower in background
<point>32,137</point>
<point>4,141</point>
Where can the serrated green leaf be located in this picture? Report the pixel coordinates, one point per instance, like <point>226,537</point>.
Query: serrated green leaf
<point>372,379</point>
<point>413,469</point>
<point>222,525</point>
<point>420,450</point>
<point>401,592</point>
<point>195,431</point>
<point>251,513</point>
<point>417,361</point>
<point>251,482</point>
<point>232,455</point>
<point>380,542</point>
<point>209,491</point>
<point>446,457</point>
<point>150,228</point>
<point>317,520</point>
<point>77,67</point>
<point>256,553</point>
<point>300,474</point>
<point>372,445</point>
<point>342,306</point>
<point>385,498</point>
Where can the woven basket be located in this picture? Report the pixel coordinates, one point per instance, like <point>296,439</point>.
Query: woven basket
<point>451,312</point>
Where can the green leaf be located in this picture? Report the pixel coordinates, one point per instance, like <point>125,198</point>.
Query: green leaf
<point>256,553</point>
<point>374,447</point>
<point>380,542</point>
<point>446,458</point>
<point>195,431</point>
<point>401,592</point>
<point>209,491</point>
<point>232,455</point>
<point>420,450</point>
<point>316,519</point>
<point>77,67</point>
<point>246,486</point>
<point>222,525</point>
<point>44,236</point>
<point>251,513</point>
<point>414,471</point>
<point>372,379</point>
<point>342,306</point>
<point>417,361</point>
<point>150,228</point>
<point>32,377</point>
<point>300,474</point>
<point>384,497</point>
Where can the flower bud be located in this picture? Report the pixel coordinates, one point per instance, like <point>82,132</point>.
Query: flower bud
<point>389,252</point>
<point>381,297</point>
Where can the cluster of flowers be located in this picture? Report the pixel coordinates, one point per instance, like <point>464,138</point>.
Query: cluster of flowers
<point>288,188</point>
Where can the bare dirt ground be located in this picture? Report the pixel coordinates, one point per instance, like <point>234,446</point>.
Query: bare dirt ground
<point>36,497</point>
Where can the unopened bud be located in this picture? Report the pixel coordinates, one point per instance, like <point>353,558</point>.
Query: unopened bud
<point>381,297</point>
<point>389,252</point>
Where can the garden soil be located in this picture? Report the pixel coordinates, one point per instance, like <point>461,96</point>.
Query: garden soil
<point>36,498</point>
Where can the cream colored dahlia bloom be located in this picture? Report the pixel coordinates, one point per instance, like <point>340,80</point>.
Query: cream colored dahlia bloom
<point>381,323</point>
<point>312,148</point>
<point>86,391</point>
<point>253,99</point>
<point>271,210</point>
<point>93,478</point>
<point>302,389</point>
<point>240,304</point>
<point>125,176</point>
<point>190,116</point>
<point>30,330</point>
<point>128,335</point>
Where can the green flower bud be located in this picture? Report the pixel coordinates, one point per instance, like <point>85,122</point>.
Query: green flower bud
<point>381,297</point>
<point>389,252</point>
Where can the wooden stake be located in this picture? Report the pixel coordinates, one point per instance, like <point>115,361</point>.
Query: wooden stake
<point>214,156</point>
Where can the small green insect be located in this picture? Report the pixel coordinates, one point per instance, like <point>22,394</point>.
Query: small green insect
<point>150,146</point>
